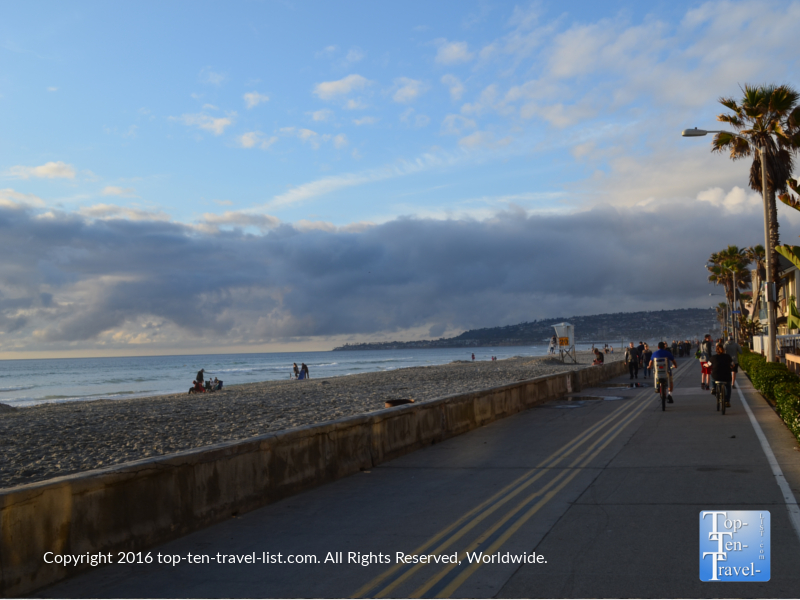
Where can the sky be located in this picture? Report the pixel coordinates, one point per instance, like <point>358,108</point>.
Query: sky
<point>201,177</point>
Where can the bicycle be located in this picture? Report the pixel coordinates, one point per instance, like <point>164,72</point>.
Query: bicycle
<point>721,393</point>
<point>661,376</point>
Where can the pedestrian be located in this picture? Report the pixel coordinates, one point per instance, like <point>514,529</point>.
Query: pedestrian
<point>704,354</point>
<point>296,371</point>
<point>632,360</point>
<point>200,377</point>
<point>304,369</point>
<point>733,349</point>
<point>473,356</point>
<point>647,354</point>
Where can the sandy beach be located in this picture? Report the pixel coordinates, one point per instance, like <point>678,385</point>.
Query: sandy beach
<point>46,441</point>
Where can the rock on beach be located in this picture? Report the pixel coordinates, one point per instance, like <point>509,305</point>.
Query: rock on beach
<point>50,440</point>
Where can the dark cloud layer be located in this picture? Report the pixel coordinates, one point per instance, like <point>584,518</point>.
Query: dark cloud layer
<point>67,282</point>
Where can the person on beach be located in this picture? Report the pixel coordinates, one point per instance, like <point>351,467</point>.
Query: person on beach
<point>198,387</point>
<point>304,371</point>
<point>200,376</point>
<point>599,358</point>
<point>473,356</point>
<point>646,355</point>
<point>632,360</point>
<point>296,370</point>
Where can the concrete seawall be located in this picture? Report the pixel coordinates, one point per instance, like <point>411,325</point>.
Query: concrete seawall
<point>137,505</point>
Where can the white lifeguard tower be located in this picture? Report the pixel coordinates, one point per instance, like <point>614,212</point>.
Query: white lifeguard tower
<point>565,332</point>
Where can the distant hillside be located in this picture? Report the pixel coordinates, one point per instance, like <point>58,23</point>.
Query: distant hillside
<point>687,323</point>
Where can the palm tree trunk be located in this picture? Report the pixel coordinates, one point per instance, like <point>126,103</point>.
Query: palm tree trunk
<point>774,235</point>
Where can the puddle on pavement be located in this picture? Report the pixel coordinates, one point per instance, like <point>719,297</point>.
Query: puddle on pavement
<point>622,386</point>
<point>596,398</point>
<point>578,401</point>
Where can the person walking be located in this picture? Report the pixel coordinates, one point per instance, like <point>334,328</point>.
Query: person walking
<point>296,370</point>
<point>705,352</point>
<point>632,360</point>
<point>304,369</point>
<point>200,377</point>
<point>646,355</point>
<point>733,349</point>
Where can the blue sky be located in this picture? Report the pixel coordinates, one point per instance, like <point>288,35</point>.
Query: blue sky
<point>281,127</point>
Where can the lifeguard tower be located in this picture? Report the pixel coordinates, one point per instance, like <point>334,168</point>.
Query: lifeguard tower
<point>565,332</point>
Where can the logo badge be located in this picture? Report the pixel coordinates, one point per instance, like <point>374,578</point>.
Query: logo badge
<point>734,545</point>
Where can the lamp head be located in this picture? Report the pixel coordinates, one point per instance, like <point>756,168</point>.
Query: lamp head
<point>693,132</point>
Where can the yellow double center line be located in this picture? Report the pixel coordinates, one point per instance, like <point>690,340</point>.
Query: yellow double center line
<point>606,429</point>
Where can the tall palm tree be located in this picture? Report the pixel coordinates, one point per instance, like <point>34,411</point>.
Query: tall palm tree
<point>767,117</point>
<point>756,254</point>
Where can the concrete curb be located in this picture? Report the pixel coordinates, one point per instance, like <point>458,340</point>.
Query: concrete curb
<point>140,504</point>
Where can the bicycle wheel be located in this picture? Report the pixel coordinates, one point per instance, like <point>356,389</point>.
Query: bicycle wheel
<point>662,389</point>
<point>716,388</point>
<point>722,397</point>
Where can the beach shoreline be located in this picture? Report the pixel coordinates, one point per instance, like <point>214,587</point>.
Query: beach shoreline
<point>50,440</point>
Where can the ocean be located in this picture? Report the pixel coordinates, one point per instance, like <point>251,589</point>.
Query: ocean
<point>37,381</point>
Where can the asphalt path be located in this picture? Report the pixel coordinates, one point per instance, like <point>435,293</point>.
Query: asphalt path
<point>600,493</point>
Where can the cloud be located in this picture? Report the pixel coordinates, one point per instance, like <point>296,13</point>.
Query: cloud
<point>50,170</point>
<point>327,185</point>
<point>18,200</point>
<point>451,53</point>
<point>76,281</point>
<point>261,222</point>
<point>483,139</point>
<point>52,89</point>
<point>409,117</point>
<point>456,124</point>
<point>340,141</point>
<point>455,85</point>
<point>328,90</point>
<point>354,55</point>
<point>253,99</point>
<point>251,139</point>
<point>365,121</point>
<point>355,105</point>
<point>112,211</point>
<point>322,115</point>
<point>112,190</point>
<point>407,90</point>
<point>215,125</point>
<point>208,75</point>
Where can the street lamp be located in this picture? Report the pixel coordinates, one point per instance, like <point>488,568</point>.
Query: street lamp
<point>771,339</point>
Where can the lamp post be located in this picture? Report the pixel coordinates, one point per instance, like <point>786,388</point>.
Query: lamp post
<point>770,295</point>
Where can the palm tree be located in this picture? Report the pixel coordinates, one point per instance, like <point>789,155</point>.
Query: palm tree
<point>768,117</point>
<point>728,268</point>
<point>756,254</point>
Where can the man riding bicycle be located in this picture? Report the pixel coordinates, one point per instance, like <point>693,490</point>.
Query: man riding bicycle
<point>662,352</point>
<point>721,370</point>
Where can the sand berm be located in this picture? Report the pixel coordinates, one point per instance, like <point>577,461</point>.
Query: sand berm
<point>45,441</point>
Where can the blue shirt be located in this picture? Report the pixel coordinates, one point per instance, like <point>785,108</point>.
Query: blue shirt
<point>663,354</point>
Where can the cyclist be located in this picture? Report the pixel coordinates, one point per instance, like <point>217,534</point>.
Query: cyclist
<point>662,352</point>
<point>705,352</point>
<point>733,349</point>
<point>721,371</point>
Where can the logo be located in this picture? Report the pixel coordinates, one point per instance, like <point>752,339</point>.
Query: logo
<point>734,545</point>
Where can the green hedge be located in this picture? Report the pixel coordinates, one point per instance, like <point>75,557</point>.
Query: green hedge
<point>778,384</point>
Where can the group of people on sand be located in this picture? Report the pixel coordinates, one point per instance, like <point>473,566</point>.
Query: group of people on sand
<point>200,385</point>
<point>300,372</point>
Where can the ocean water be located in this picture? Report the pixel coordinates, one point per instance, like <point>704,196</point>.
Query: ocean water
<point>38,381</point>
